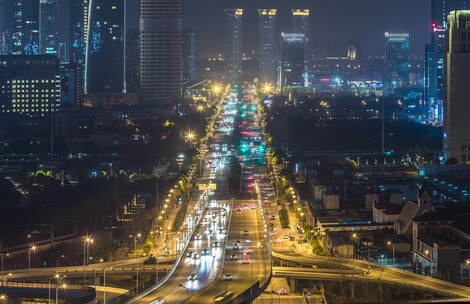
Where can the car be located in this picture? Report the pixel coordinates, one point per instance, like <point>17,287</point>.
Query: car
<point>228,277</point>
<point>286,237</point>
<point>198,237</point>
<point>273,217</point>
<point>216,244</point>
<point>158,301</point>
<point>205,252</point>
<point>235,246</point>
<point>189,254</point>
<point>238,209</point>
<point>196,256</point>
<point>246,261</point>
<point>223,297</point>
<point>246,233</point>
<point>192,276</point>
<point>233,256</point>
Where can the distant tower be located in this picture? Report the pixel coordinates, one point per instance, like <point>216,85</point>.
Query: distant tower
<point>105,49</point>
<point>457,89</point>
<point>301,25</point>
<point>352,52</point>
<point>293,70</point>
<point>267,20</point>
<point>20,27</point>
<point>233,44</point>
<point>48,27</point>
<point>161,51</point>
<point>397,57</point>
<point>190,55</point>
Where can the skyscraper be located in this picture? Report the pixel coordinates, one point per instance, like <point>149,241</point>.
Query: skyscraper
<point>161,51</point>
<point>435,53</point>
<point>457,90</point>
<point>397,55</point>
<point>48,27</point>
<point>233,44</point>
<point>105,63</point>
<point>21,27</point>
<point>293,70</point>
<point>267,20</point>
<point>190,56</point>
<point>301,25</point>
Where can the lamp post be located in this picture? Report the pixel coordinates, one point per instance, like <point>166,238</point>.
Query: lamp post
<point>87,241</point>
<point>3,255</point>
<point>135,237</point>
<point>389,243</point>
<point>104,283</point>
<point>49,287</point>
<point>59,282</point>
<point>32,248</point>
<point>356,244</point>
<point>57,260</point>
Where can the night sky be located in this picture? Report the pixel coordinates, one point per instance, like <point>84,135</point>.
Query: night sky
<point>333,22</point>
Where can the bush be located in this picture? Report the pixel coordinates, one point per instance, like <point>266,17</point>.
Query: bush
<point>150,261</point>
<point>179,219</point>
<point>284,218</point>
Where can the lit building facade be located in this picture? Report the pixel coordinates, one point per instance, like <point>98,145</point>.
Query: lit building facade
<point>161,51</point>
<point>48,27</point>
<point>397,57</point>
<point>301,25</point>
<point>20,27</point>
<point>233,44</point>
<point>434,57</point>
<point>267,34</point>
<point>293,70</point>
<point>105,60</point>
<point>29,85</point>
<point>190,56</point>
<point>457,90</point>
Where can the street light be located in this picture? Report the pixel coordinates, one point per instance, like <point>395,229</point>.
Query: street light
<point>87,241</point>
<point>49,286</point>
<point>3,255</point>
<point>57,260</point>
<point>104,283</point>
<point>32,248</point>
<point>137,236</point>
<point>389,243</point>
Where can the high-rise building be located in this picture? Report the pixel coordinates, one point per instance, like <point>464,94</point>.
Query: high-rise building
<point>457,90</point>
<point>20,27</point>
<point>29,84</point>
<point>105,63</point>
<point>267,34</point>
<point>233,44</point>
<point>48,27</point>
<point>161,51</point>
<point>435,53</point>
<point>397,56</point>
<point>293,70</point>
<point>301,25</point>
<point>190,56</point>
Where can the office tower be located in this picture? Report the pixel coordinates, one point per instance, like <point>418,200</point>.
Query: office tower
<point>440,9</point>
<point>233,44</point>
<point>48,27</point>
<point>293,70</point>
<point>397,54</point>
<point>434,58</point>
<point>105,62</point>
<point>70,80</point>
<point>132,60</point>
<point>190,56</point>
<point>161,51</point>
<point>434,76</point>
<point>456,86</point>
<point>2,26</point>
<point>352,52</point>
<point>21,27</point>
<point>29,84</point>
<point>267,20</point>
<point>301,25</point>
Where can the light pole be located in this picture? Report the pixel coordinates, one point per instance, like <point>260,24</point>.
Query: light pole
<point>135,237</point>
<point>104,283</point>
<point>389,243</point>
<point>49,286</point>
<point>3,255</point>
<point>32,248</point>
<point>87,240</point>
<point>59,281</point>
<point>356,245</point>
<point>57,260</point>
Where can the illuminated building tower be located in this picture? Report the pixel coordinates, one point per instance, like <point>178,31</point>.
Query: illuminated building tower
<point>48,27</point>
<point>456,86</point>
<point>397,54</point>
<point>21,27</point>
<point>267,19</point>
<point>105,62</point>
<point>29,84</point>
<point>301,25</point>
<point>161,51</point>
<point>190,56</point>
<point>293,70</point>
<point>233,44</point>
<point>434,57</point>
